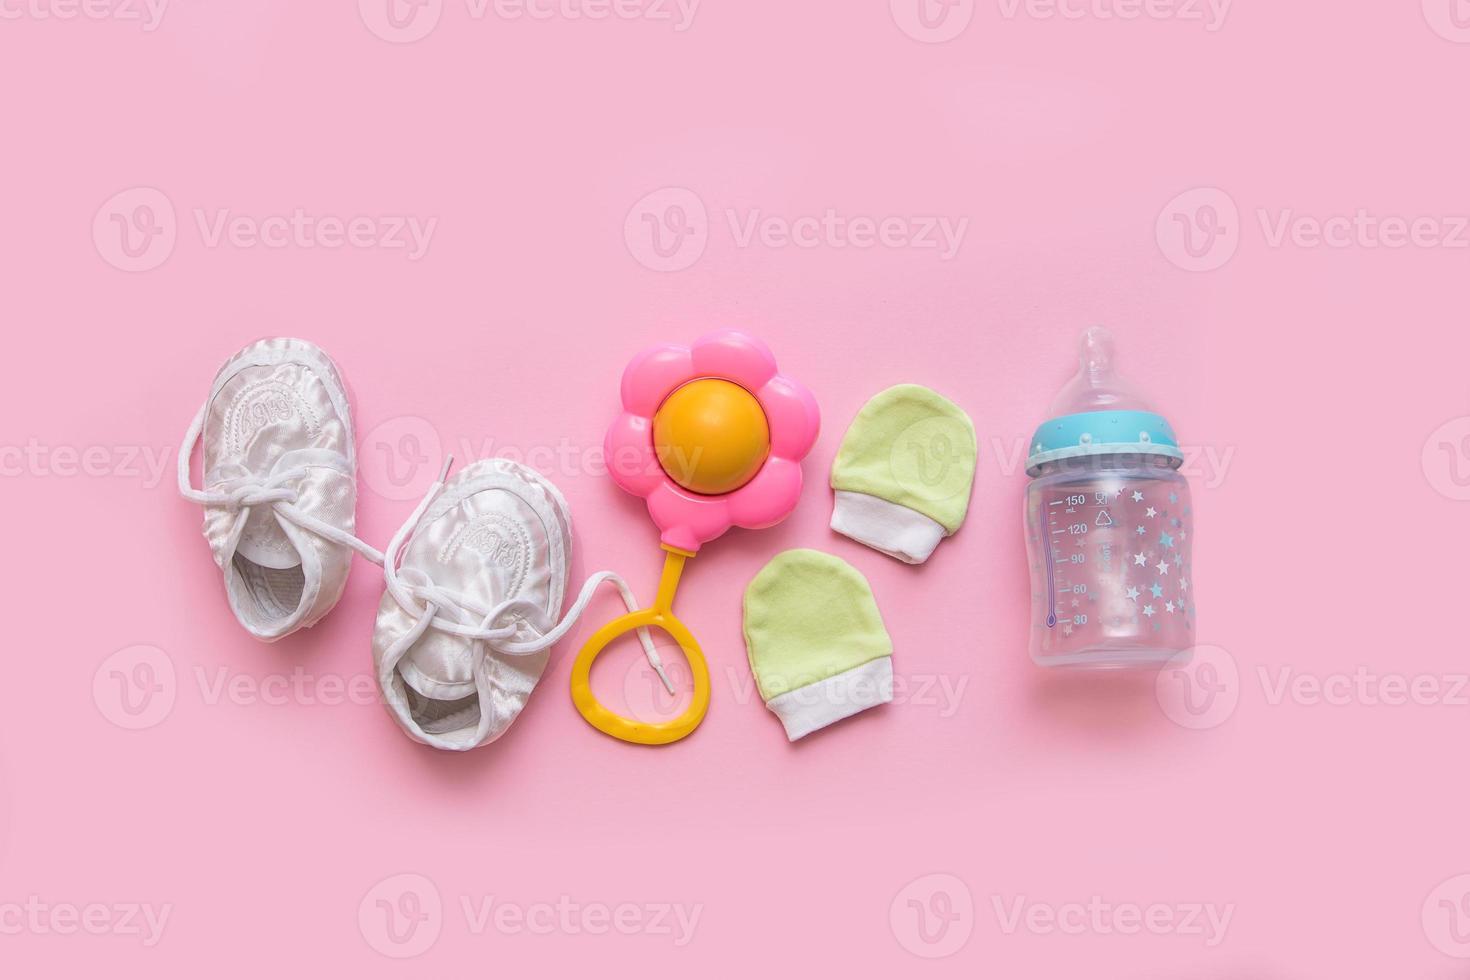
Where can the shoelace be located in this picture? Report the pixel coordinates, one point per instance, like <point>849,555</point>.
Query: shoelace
<point>471,619</point>
<point>240,494</point>
<point>422,599</point>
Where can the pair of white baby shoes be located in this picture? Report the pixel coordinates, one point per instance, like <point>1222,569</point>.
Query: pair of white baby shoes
<point>475,578</point>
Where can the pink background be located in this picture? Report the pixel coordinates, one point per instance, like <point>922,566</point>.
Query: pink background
<point>267,827</point>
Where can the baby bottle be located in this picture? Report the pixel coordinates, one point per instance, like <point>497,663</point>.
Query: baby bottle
<point>1109,529</point>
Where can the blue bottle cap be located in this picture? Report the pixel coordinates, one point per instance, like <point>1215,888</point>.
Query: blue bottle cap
<point>1099,413</point>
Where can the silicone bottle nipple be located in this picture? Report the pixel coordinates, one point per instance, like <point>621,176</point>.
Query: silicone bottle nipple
<point>1096,387</point>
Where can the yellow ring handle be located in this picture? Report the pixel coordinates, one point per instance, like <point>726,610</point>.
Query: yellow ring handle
<point>660,615</point>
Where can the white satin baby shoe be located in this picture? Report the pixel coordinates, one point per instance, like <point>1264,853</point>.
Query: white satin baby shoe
<point>475,583</point>
<point>280,484</point>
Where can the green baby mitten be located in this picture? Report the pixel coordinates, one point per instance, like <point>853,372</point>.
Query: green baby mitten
<point>817,645</point>
<point>903,473</point>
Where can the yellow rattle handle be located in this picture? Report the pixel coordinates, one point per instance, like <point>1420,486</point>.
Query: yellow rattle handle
<point>660,614</point>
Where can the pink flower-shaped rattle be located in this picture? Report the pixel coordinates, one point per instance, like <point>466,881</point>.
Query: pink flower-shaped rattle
<point>711,436</point>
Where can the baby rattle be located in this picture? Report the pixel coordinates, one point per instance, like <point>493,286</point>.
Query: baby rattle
<point>711,436</point>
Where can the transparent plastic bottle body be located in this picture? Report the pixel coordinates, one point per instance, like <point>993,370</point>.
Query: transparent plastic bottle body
<point>1110,538</point>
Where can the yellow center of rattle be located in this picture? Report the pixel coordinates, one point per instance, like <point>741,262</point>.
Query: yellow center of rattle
<point>711,436</point>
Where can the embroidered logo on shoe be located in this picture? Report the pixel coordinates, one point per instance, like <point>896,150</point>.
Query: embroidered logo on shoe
<point>263,404</point>
<point>500,540</point>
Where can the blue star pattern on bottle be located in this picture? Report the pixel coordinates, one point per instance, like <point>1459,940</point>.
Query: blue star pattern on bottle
<point>1164,563</point>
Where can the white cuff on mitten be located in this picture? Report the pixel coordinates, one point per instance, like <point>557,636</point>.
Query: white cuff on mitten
<point>890,528</point>
<point>840,696</point>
